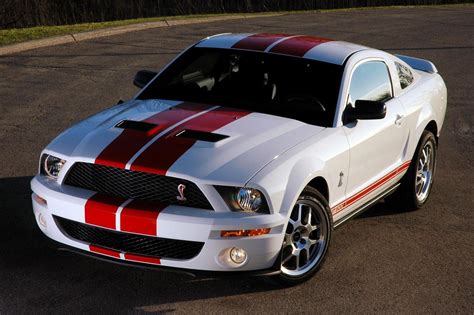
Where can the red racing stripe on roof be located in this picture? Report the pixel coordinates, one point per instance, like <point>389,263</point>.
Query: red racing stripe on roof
<point>100,210</point>
<point>258,41</point>
<point>159,156</point>
<point>124,147</point>
<point>298,46</point>
<point>140,217</point>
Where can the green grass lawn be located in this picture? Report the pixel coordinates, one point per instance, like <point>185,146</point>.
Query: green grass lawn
<point>16,35</point>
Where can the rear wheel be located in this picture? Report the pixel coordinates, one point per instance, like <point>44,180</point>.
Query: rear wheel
<point>416,185</point>
<point>307,238</point>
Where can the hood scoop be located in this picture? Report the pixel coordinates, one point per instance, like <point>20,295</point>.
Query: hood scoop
<point>201,135</point>
<point>136,125</point>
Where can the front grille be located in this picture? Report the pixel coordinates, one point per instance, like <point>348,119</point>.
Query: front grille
<point>135,185</point>
<point>130,243</point>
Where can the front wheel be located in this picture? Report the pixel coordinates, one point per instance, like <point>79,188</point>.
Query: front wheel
<point>307,238</point>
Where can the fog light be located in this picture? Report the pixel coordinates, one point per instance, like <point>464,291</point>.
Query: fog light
<point>238,255</point>
<point>42,220</point>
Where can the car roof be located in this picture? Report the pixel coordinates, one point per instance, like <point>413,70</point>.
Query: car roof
<point>304,46</point>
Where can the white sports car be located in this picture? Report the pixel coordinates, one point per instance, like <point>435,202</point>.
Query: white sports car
<point>243,155</point>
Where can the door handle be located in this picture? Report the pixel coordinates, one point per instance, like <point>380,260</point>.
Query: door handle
<point>399,119</point>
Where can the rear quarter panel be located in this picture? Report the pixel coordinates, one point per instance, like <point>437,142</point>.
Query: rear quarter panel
<point>424,101</point>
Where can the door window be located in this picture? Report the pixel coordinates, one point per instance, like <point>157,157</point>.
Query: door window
<point>370,81</point>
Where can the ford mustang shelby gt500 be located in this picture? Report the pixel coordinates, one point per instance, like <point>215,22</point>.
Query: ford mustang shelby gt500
<point>243,154</point>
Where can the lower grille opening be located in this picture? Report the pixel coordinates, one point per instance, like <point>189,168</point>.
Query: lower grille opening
<point>130,243</point>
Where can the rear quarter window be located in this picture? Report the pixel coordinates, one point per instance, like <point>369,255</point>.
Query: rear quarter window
<point>404,74</point>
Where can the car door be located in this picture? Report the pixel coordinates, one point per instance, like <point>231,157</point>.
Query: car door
<point>376,145</point>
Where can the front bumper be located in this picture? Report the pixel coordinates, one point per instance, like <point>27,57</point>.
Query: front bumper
<point>175,222</point>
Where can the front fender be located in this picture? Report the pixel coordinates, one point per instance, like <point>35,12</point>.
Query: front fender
<point>325,155</point>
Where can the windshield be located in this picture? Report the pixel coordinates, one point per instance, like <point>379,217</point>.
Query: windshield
<point>292,87</point>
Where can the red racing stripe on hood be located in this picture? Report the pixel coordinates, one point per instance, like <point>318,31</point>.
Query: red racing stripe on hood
<point>159,157</point>
<point>122,148</point>
<point>140,217</point>
<point>258,42</point>
<point>298,46</point>
<point>100,210</point>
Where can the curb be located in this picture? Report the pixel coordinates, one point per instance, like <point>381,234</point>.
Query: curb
<point>77,37</point>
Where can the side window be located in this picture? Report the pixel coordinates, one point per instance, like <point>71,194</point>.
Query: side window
<point>370,81</point>
<point>404,74</point>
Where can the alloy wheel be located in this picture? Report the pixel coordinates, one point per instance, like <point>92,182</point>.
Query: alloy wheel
<point>305,238</point>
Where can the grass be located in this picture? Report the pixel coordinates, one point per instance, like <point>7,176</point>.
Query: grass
<point>16,35</point>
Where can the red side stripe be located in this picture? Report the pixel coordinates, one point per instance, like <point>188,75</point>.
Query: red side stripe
<point>346,203</point>
<point>258,41</point>
<point>122,149</point>
<point>140,217</point>
<point>104,251</point>
<point>100,210</point>
<point>144,259</point>
<point>159,157</point>
<point>298,46</point>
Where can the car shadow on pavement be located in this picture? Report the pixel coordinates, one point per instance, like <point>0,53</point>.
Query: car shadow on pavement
<point>383,208</point>
<point>380,209</point>
<point>37,275</point>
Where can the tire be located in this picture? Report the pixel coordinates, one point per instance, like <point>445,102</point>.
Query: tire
<point>416,185</point>
<point>305,239</point>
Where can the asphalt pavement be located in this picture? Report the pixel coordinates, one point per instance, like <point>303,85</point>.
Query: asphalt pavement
<point>387,260</point>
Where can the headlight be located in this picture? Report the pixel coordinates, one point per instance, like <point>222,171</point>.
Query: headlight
<point>243,199</point>
<point>51,165</point>
<point>249,199</point>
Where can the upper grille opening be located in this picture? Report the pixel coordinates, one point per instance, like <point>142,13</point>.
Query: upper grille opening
<point>135,185</point>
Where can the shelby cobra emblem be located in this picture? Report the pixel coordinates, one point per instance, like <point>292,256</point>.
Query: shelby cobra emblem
<point>181,189</point>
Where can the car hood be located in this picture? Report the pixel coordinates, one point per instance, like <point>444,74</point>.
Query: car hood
<point>219,145</point>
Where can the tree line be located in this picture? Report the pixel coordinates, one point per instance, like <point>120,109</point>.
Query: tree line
<point>28,13</point>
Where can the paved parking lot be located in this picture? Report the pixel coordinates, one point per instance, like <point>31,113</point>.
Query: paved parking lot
<point>385,261</point>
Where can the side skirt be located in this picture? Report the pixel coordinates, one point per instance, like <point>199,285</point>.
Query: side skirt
<point>365,206</point>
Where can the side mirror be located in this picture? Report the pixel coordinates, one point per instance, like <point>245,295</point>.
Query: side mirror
<point>143,77</point>
<point>365,110</point>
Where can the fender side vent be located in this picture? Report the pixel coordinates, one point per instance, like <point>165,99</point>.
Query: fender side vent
<point>201,135</point>
<point>136,125</point>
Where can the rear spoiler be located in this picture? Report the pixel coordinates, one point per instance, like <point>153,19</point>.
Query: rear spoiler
<point>419,64</point>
